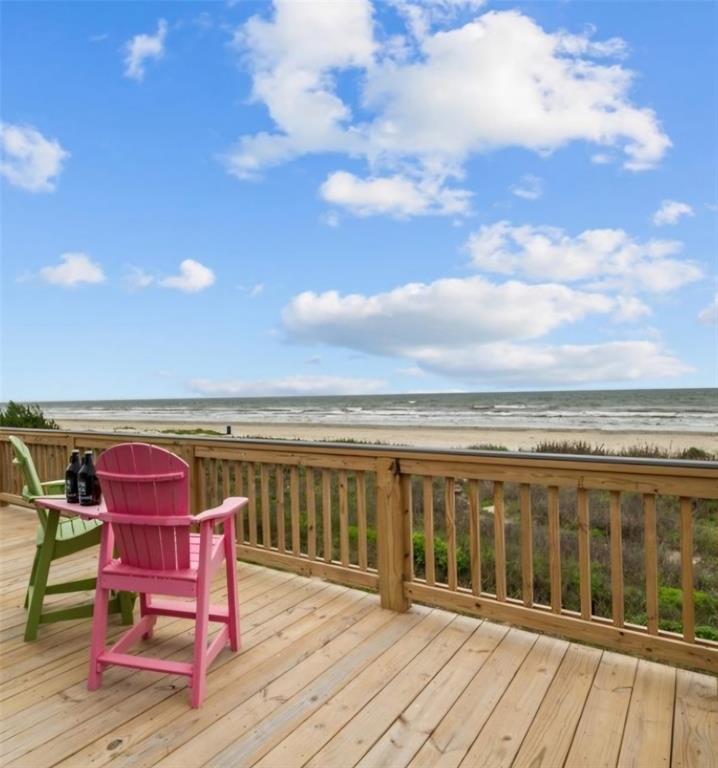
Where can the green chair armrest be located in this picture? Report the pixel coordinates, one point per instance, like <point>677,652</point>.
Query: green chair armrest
<point>54,486</point>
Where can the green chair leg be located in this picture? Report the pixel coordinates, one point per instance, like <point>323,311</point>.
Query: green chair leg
<point>31,583</point>
<point>37,593</point>
<point>127,604</point>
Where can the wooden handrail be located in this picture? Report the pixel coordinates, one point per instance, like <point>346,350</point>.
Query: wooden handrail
<point>482,532</point>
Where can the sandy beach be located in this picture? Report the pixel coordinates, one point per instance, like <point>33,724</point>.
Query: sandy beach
<point>426,437</point>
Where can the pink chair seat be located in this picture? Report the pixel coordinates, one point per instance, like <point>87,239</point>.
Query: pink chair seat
<point>118,568</point>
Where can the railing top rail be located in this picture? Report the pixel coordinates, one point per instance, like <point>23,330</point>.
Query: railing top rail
<point>567,461</point>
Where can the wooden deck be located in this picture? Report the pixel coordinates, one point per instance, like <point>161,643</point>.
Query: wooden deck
<point>326,677</point>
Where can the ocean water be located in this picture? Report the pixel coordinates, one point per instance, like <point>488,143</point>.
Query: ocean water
<point>678,410</point>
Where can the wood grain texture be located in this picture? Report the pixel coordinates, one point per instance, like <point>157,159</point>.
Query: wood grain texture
<point>688,610</point>
<point>325,672</point>
<point>500,541</point>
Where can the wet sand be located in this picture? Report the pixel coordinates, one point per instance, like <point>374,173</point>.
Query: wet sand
<point>425,437</point>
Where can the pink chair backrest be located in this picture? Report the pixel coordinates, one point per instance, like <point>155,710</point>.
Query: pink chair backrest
<point>145,481</point>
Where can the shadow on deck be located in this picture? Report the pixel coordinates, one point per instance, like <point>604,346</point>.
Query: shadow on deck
<point>326,677</point>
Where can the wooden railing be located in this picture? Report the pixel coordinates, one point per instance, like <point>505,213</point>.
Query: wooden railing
<point>586,548</point>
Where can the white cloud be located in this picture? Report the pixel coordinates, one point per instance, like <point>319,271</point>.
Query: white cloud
<point>609,257</point>
<point>670,212</point>
<point>422,17</point>
<point>529,187</point>
<point>292,58</point>
<point>532,365</point>
<point>193,277</point>
<point>29,160</point>
<point>396,195</point>
<point>143,47</point>
<point>75,268</point>
<point>500,81</point>
<point>433,98</point>
<point>288,385</point>
<point>709,315</point>
<point>480,332</point>
<point>629,308</point>
<point>451,312</point>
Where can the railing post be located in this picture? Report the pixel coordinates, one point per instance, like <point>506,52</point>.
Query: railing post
<point>393,536</point>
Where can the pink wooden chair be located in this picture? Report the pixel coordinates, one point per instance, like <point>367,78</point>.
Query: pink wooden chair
<point>145,512</point>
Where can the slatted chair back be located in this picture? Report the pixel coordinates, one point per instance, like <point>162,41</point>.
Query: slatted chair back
<point>142,483</point>
<point>32,487</point>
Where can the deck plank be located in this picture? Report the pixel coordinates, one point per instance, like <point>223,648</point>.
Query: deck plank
<point>598,736</point>
<point>453,737</point>
<point>412,727</point>
<point>649,725</point>
<point>367,726</point>
<point>548,739</point>
<point>695,730</point>
<point>499,740</point>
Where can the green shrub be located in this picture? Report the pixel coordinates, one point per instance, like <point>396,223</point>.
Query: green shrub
<point>27,416</point>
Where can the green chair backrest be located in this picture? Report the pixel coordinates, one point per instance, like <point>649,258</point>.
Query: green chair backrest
<point>32,488</point>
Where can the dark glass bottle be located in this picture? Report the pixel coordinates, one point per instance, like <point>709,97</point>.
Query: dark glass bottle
<point>71,489</point>
<point>88,483</point>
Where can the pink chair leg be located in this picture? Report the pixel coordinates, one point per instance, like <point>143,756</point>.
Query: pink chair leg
<point>144,606</point>
<point>232,596</point>
<point>199,665</point>
<point>99,636</point>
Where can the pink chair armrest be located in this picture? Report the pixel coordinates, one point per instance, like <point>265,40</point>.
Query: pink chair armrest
<point>226,509</point>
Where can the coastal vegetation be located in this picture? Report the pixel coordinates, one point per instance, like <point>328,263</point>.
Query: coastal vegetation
<point>28,416</point>
<point>705,559</point>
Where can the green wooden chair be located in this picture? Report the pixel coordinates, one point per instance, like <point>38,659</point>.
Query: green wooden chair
<point>57,538</point>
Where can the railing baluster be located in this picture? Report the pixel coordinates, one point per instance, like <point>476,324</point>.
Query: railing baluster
<point>651,555</point>
<point>294,506</point>
<point>343,518</point>
<point>450,522</point>
<point>311,514</point>
<point>554,548</point>
<point>428,501</point>
<point>213,467</point>
<point>475,535</point>
<point>616,559</point>
<point>280,512</point>
<point>408,514</point>
<point>584,553</point>
<point>202,484</point>
<point>252,493</point>
<point>225,480</point>
<point>264,484</point>
<point>527,563</point>
<point>327,514</point>
<point>499,540</point>
<point>689,625</point>
<point>239,491</point>
<point>361,520</point>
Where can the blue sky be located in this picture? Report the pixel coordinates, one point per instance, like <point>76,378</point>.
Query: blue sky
<point>249,199</point>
